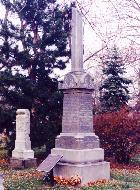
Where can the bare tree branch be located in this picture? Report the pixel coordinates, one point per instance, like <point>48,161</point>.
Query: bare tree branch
<point>95,53</point>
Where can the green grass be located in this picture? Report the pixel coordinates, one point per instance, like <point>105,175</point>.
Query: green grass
<point>120,180</point>
<point>127,177</point>
<point>24,185</point>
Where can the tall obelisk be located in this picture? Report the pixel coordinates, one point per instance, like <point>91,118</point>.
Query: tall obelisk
<point>77,142</point>
<point>77,41</point>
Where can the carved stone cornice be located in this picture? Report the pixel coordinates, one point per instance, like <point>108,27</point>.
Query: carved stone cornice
<point>77,80</point>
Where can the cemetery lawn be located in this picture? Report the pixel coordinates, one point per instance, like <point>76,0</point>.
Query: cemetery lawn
<point>122,177</point>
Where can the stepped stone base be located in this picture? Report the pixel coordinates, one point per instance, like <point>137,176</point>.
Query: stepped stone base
<point>82,156</point>
<point>88,172</point>
<point>16,163</point>
<point>79,156</point>
<point>88,164</point>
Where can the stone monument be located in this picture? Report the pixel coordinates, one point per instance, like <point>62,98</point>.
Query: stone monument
<point>77,143</point>
<point>23,155</point>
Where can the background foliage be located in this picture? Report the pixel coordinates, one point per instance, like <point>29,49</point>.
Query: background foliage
<point>33,43</point>
<point>114,89</point>
<point>119,133</point>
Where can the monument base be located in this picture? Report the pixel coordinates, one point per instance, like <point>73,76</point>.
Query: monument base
<point>79,156</point>
<point>87,163</point>
<point>88,172</point>
<point>25,154</point>
<point>17,163</point>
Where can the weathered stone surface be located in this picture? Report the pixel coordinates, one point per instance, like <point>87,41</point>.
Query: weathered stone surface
<point>16,163</point>
<point>77,112</point>
<point>80,156</point>
<point>77,141</point>
<point>49,163</point>
<point>23,144</point>
<point>88,172</point>
<point>23,154</point>
<point>30,163</point>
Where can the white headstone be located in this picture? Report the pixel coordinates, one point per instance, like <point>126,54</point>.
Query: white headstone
<point>77,41</point>
<point>23,144</point>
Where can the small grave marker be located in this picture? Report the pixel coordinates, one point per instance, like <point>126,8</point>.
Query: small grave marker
<point>49,163</point>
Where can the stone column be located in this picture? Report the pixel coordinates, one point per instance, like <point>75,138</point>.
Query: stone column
<point>77,41</point>
<point>23,155</point>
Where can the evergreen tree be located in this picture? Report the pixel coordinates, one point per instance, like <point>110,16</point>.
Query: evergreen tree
<point>114,90</point>
<point>34,38</point>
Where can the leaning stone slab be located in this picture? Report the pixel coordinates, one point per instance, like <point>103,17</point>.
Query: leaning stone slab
<point>49,163</point>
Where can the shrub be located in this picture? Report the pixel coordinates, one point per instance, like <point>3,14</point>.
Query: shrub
<point>118,133</point>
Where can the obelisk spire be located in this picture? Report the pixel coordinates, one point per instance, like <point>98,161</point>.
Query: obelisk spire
<point>77,41</point>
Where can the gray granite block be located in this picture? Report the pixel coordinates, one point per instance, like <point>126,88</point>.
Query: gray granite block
<point>79,156</point>
<point>87,172</point>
